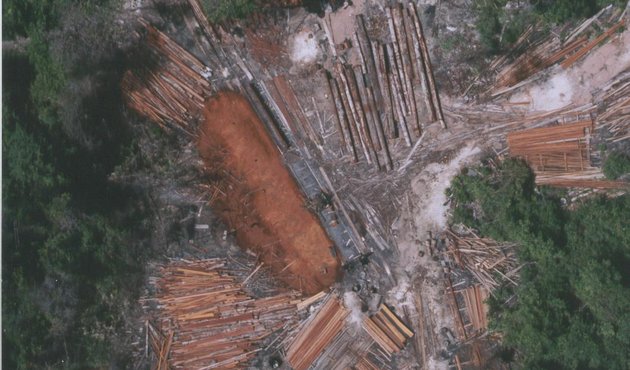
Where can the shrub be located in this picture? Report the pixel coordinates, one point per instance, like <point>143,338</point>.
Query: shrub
<point>222,10</point>
<point>571,303</point>
<point>616,165</point>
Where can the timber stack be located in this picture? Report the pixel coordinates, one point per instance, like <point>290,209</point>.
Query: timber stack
<point>316,334</point>
<point>172,87</point>
<point>615,115</point>
<point>532,54</point>
<point>387,330</point>
<point>211,321</point>
<point>330,338</point>
<point>384,102</point>
<point>560,155</point>
<point>491,263</point>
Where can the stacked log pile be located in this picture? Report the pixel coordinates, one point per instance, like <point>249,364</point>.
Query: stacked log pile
<point>474,298</point>
<point>160,344</point>
<point>212,322</point>
<point>615,100</point>
<point>560,155</point>
<point>316,334</point>
<point>540,55</point>
<point>171,87</point>
<point>530,54</point>
<point>561,148</point>
<point>390,95</point>
<point>352,349</point>
<point>387,330</point>
<point>589,46</point>
<point>491,263</point>
<point>329,339</point>
<point>470,310</point>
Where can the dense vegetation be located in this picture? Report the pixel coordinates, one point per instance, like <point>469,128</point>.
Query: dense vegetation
<point>500,22</point>
<point>222,10</point>
<point>74,241</point>
<point>616,165</point>
<point>572,307</point>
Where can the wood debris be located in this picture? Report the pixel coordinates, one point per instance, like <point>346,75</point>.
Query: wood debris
<point>615,115</point>
<point>316,334</point>
<point>560,155</point>
<point>387,330</point>
<point>212,322</point>
<point>491,263</point>
<point>532,53</point>
<point>171,87</point>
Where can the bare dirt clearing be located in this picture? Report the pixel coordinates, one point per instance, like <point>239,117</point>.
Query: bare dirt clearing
<point>260,200</point>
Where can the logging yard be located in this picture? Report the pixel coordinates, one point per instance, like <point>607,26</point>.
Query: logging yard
<point>326,144</point>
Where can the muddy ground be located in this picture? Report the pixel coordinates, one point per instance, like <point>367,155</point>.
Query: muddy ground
<point>258,199</point>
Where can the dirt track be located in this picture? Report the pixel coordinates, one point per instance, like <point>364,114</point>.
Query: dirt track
<point>259,199</point>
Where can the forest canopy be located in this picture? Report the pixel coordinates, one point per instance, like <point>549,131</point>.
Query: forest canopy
<point>572,304</point>
<point>74,241</point>
<point>500,23</point>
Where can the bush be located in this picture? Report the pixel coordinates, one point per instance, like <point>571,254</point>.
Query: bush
<point>488,22</point>
<point>559,11</point>
<point>572,299</point>
<point>74,242</point>
<point>222,10</point>
<point>616,165</point>
<point>500,26</point>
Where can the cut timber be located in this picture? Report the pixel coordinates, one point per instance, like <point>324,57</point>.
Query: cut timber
<point>344,118</point>
<point>405,59</point>
<point>212,321</point>
<point>356,84</point>
<point>381,71</point>
<point>387,330</point>
<point>399,52</point>
<point>318,333</point>
<point>475,297</point>
<point>580,53</point>
<point>372,119</point>
<point>354,108</point>
<point>427,64</point>
<point>341,117</point>
<point>397,99</point>
<point>171,92</point>
<point>560,155</point>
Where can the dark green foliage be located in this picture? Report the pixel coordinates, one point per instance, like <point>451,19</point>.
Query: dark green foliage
<point>499,26</point>
<point>503,203</point>
<point>50,78</point>
<point>73,242</point>
<point>20,17</point>
<point>489,14</point>
<point>616,165</point>
<point>571,309</point>
<point>222,10</point>
<point>561,10</point>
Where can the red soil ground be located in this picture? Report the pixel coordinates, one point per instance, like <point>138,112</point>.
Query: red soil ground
<point>258,198</point>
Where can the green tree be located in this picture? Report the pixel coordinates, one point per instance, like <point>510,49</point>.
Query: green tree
<point>572,308</point>
<point>222,10</point>
<point>74,242</point>
<point>616,165</point>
